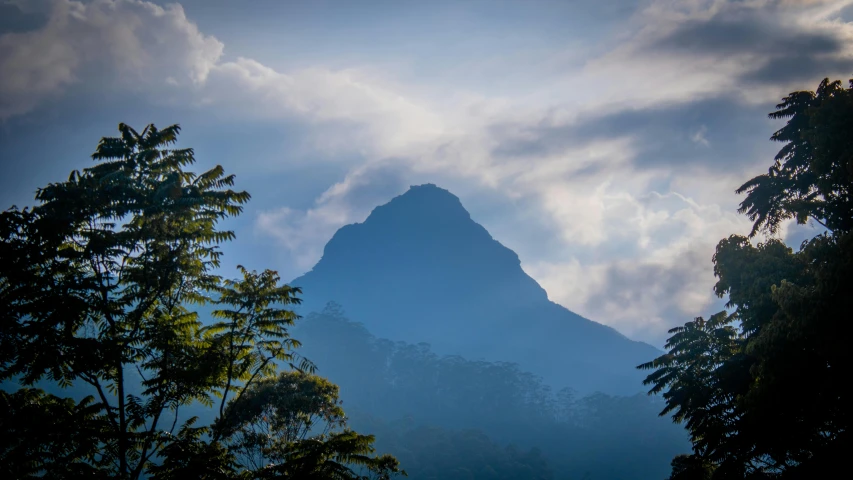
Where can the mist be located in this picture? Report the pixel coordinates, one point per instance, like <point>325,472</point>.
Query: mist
<point>469,240</point>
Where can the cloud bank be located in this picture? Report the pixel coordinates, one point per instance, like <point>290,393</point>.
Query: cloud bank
<point>622,162</point>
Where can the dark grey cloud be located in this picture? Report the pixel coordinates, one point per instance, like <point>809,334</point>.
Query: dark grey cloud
<point>776,45</point>
<point>627,285</point>
<point>15,20</point>
<point>633,287</point>
<point>740,31</point>
<point>717,133</point>
<point>801,68</point>
<point>846,13</point>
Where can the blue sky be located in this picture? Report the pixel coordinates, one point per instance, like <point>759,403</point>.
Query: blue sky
<point>602,141</point>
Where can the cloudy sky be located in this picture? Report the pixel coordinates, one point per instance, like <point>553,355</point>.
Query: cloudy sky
<point>602,141</point>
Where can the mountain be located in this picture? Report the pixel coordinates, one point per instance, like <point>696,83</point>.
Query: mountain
<point>419,269</point>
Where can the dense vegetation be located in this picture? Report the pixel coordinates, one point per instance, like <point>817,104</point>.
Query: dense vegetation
<point>761,386</point>
<point>98,287</point>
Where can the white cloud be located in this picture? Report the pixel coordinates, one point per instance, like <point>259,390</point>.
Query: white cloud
<point>136,44</point>
<point>305,232</point>
<point>596,196</point>
<point>298,231</point>
<point>655,269</point>
<point>368,117</point>
<point>669,280</point>
<point>699,136</point>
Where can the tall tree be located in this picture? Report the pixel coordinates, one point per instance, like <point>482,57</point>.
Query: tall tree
<point>98,286</point>
<point>761,387</point>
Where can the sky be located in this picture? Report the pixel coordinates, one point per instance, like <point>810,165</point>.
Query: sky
<point>601,141</point>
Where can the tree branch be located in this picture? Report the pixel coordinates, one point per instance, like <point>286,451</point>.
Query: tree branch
<point>821,223</point>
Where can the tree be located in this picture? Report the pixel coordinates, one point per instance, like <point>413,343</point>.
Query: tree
<point>293,426</point>
<point>761,387</point>
<point>691,467</point>
<point>812,175</point>
<point>98,286</point>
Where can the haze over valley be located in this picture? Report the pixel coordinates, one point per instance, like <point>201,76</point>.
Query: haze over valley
<point>451,239</point>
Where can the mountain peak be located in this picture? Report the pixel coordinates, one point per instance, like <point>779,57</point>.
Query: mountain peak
<point>427,202</point>
<point>420,269</point>
<point>429,189</point>
<point>425,228</point>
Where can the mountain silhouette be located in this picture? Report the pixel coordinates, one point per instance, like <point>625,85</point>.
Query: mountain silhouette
<point>419,269</point>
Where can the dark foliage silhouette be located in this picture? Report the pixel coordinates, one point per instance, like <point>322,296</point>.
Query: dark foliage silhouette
<point>98,287</point>
<point>762,387</point>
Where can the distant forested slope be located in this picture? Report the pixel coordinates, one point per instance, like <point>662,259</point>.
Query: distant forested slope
<point>445,414</point>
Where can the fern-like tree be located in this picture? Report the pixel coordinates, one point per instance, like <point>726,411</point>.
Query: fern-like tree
<point>762,387</point>
<point>99,289</point>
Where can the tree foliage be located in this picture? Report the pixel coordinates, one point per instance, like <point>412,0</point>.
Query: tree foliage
<point>293,426</point>
<point>762,387</point>
<point>812,175</point>
<point>47,436</point>
<point>98,289</point>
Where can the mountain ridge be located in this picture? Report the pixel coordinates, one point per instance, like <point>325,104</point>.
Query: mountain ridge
<point>420,269</point>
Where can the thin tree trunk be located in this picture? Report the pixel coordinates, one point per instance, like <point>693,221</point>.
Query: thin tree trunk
<point>122,434</point>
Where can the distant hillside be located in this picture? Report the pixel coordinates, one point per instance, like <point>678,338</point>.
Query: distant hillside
<point>447,417</point>
<point>419,269</point>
